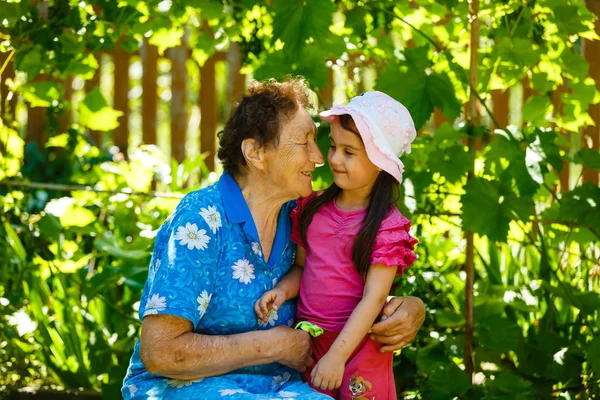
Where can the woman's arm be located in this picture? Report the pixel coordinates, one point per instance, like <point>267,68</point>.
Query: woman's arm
<point>402,318</point>
<point>170,348</point>
<point>379,281</point>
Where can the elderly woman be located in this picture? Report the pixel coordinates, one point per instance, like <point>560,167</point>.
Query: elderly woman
<point>223,247</point>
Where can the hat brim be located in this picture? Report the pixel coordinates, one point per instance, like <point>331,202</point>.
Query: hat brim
<point>378,156</point>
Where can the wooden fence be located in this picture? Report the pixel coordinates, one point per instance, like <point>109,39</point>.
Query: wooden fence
<point>208,100</point>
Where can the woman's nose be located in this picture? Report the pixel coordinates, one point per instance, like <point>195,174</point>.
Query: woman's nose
<point>315,154</point>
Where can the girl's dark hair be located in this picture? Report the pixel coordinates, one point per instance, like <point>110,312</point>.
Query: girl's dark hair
<point>381,199</point>
<point>260,116</point>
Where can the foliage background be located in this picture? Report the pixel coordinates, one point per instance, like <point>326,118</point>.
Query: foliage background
<point>74,263</point>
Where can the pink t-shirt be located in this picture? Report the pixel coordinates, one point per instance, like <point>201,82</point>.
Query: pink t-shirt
<point>331,287</point>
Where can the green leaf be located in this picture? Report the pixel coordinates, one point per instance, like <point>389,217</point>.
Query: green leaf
<point>42,94</point>
<point>311,65</point>
<point>110,245</point>
<point>582,205</point>
<point>165,38</point>
<point>442,95</point>
<point>209,9</point>
<point>13,11</point>
<point>519,52</point>
<point>85,68</point>
<point>203,46</point>
<point>593,354</point>
<point>574,65</point>
<point>355,19</point>
<point>447,383</point>
<point>14,242</point>
<point>542,83</point>
<point>449,319</point>
<point>96,114</point>
<point>488,207</point>
<point>508,382</point>
<point>568,20</point>
<point>417,91</point>
<point>77,216</point>
<point>536,108</point>
<point>49,226</point>
<point>452,163</point>
<point>295,22</point>
<point>588,158</point>
<point>30,61</point>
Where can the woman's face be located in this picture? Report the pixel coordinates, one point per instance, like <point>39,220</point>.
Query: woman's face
<point>289,166</point>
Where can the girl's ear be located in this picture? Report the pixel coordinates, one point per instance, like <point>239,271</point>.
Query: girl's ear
<point>254,153</point>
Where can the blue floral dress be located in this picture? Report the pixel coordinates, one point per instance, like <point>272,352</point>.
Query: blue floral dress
<point>208,267</point>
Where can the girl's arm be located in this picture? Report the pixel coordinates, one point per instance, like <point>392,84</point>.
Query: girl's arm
<point>329,371</point>
<point>291,281</point>
<point>287,288</point>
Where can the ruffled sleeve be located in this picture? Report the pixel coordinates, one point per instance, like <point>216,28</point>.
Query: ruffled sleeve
<point>394,246</point>
<point>295,218</point>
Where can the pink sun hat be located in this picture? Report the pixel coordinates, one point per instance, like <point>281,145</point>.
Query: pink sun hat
<point>385,126</point>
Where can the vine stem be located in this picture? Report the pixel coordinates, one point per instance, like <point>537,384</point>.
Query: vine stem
<point>10,56</point>
<point>474,118</point>
<point>79,188</point>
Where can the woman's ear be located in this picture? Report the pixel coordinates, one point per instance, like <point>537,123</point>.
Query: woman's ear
<point>253,153</point>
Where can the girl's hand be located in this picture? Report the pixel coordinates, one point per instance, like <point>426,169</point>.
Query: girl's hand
<point>328,373</point>
<point>272,299</point>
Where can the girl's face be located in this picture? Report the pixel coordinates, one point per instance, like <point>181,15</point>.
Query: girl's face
<point>351,168</point>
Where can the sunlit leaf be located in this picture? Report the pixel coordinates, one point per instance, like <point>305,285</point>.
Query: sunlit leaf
<point>295,22</point>
<point>96,114</point>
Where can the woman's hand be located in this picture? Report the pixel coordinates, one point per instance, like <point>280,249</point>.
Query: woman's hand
<point>272,299</point>
<point>402,318</point>
<point>293,347</point>
<point>328,373</point>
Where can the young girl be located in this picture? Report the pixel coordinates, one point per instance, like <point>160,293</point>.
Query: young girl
<point>352,242</point>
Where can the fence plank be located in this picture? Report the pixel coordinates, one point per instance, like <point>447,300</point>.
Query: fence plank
<point>438,118</point>
<point>208,111</point>
<point>36,121</point>
<point>90,84</point>
<point>558,110</point>
<point>500,101</point>
<point>179,114</point>
<point>120,99</point>
<point>149,92</point>
<point>591,134</point>
<point>326,94</point>
<point>65,119</point>
<point>8,101</point>
<point>236,82</point>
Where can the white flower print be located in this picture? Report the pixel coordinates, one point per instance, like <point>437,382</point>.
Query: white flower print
<point>271,318</point>
<point>132,389</point>
<point>257,249</point>
<point>212,218</point>
<point>279,379</point>
<point>203,301</point>
<point>243,271</point>
<point>155,304</point>
<point>284,393</point>
<point>192,237</point>
<point>156,265</point>
<point>230,392</point>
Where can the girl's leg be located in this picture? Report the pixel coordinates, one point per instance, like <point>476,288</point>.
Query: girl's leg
<point>368,374</point>
<point>320,346</point>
